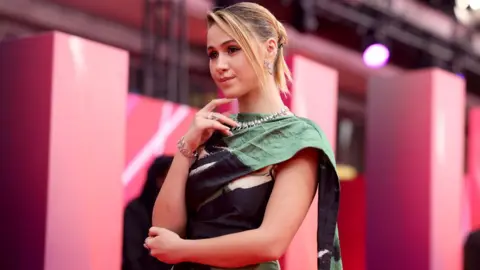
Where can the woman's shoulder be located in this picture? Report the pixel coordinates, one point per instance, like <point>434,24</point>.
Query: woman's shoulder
<point>307,125</point>
<point>309,134</point>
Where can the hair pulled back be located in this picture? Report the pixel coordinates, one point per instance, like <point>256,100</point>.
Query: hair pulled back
<point>250,23</point>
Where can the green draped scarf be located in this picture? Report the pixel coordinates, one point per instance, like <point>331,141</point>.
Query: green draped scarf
<point>217,207</point>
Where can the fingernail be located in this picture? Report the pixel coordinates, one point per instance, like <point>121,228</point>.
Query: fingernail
<point>230,133</point>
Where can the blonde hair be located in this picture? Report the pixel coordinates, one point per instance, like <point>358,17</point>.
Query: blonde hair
<point>239,20</point>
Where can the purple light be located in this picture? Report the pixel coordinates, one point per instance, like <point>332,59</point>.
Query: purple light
<point>376,55</point>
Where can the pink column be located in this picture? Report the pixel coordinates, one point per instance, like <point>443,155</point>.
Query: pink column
<point>314,95</point>
<point>473,177</point>
<point>414,172</point>
<point>352,223</point>
<point>63,103</point>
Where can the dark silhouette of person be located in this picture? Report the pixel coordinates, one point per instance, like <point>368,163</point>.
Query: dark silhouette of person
<point>138,220</point>
<point>471,254</point>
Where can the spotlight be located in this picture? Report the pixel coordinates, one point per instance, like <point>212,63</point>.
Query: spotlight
<point>376,55</point>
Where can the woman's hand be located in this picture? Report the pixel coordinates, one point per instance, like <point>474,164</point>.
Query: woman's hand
<point>206,122</point>
<point>164,245</point>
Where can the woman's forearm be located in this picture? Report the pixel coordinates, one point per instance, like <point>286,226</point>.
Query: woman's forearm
<point>233,250</point>
<point>170,211</point>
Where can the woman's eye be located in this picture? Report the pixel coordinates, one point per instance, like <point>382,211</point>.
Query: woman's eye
<point>233,50</point>
<point>212,55</point>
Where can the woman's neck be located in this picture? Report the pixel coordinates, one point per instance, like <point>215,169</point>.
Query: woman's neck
<point>262,101</point>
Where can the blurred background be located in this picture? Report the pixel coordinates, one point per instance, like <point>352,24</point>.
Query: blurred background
<point>425,51</point>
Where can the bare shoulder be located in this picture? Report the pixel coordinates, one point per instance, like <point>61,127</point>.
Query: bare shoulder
<point>304,157</point>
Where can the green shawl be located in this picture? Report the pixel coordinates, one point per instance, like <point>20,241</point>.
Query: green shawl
<point>216,207</point>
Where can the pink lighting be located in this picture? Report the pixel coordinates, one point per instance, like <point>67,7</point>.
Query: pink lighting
<point>376,55</point>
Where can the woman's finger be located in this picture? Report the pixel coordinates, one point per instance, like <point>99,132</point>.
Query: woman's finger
<point>146,243</point>
<point>154,231</point>
<point>222,118</point>
<point>215,103</point>
<point>216,125</point>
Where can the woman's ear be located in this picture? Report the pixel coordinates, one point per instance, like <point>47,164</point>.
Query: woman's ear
<point>272,47</point>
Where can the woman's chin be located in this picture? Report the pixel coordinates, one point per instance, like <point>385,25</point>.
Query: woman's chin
<point>232,89</point>
<point>230,93</point>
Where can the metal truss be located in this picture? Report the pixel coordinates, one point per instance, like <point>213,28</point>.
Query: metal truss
<point>165,50</point>
<point>457,49</point>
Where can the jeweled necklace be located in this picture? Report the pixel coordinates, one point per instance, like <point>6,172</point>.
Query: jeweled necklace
<point>253,123</point>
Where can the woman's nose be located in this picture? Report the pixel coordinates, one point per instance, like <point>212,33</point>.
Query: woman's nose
<point>222,65</point>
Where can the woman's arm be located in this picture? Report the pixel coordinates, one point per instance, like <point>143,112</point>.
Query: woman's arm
<point>170,211</point>
<point>293,192</point>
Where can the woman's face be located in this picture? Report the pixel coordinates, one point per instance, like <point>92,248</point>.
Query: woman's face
<point>229,65</point>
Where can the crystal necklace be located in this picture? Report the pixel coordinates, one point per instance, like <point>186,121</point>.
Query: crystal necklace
<point>249,124</point>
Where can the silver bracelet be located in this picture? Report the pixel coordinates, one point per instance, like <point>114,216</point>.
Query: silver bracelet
<point>181,145</point>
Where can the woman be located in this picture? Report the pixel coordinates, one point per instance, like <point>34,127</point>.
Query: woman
<point>240,186</point>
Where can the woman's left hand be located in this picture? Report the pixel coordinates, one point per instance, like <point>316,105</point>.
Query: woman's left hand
<point>164,245</point>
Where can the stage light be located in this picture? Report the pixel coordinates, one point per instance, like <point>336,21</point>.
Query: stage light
<point>346,172</point>
<point>376,55</point>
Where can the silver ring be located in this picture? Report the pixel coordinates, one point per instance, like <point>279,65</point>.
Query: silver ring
<point>212,116</point>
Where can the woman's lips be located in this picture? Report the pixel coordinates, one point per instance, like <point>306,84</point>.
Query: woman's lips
<point>225,79</point>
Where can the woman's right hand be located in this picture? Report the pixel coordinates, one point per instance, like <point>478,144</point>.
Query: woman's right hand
<point>206,122</point>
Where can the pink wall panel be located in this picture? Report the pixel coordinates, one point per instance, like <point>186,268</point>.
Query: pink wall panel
<point>473,177</point>
<point>89,88</point>
<point>66,121</point>
<point>414,172</point>
<point>447,163</point>
<point>314,95</point>
<point>352,223</point>
<point>153,128</point>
